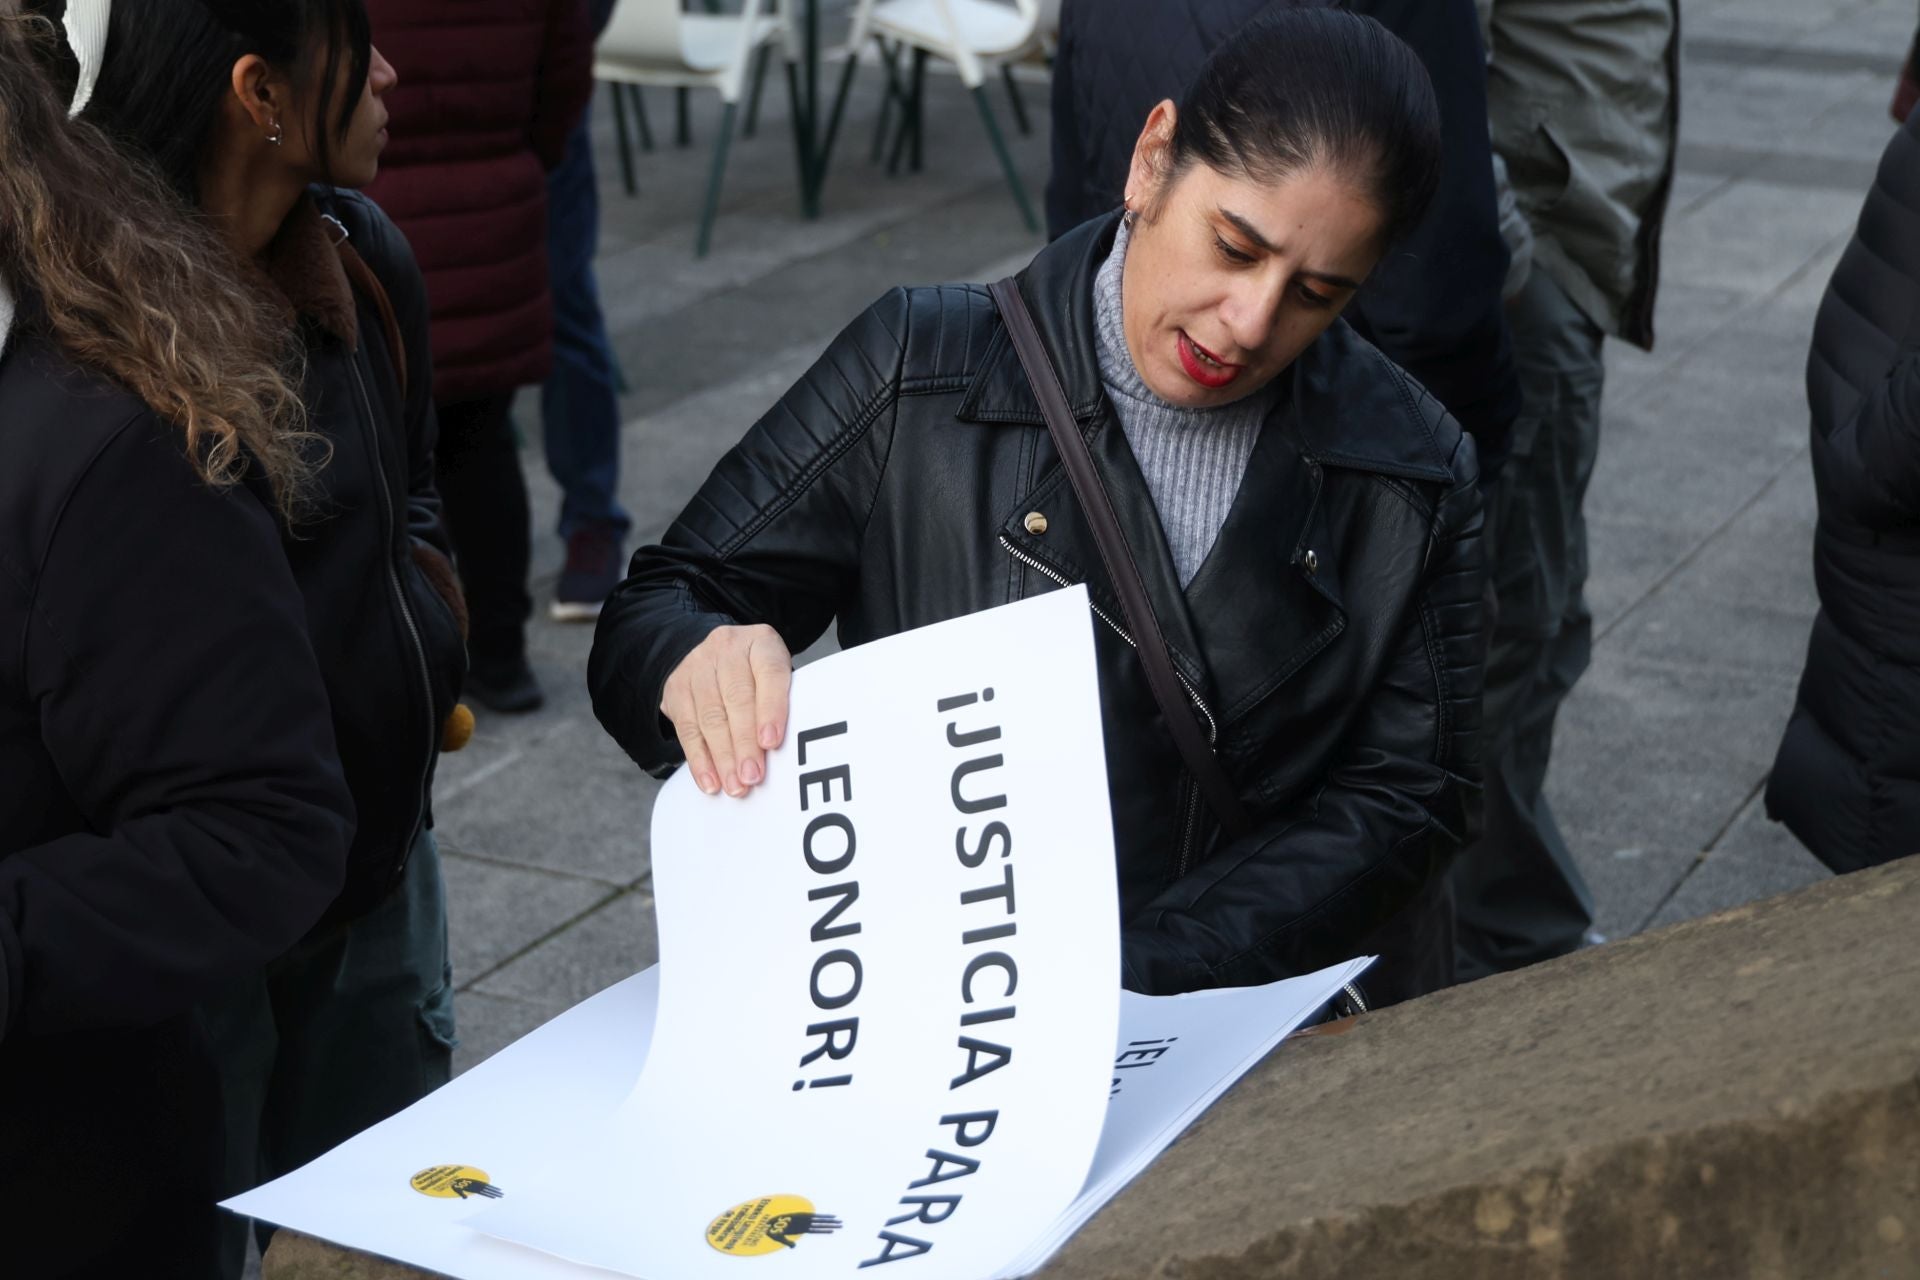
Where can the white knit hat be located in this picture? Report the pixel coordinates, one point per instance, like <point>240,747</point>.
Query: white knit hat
<point>86,24</point>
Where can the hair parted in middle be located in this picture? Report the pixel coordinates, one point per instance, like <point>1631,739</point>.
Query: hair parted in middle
<point>1304,88</point>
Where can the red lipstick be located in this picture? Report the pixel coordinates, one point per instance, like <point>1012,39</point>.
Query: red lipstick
<point>1205,368</point>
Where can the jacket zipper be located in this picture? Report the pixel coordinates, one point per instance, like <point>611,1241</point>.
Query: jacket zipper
<point>1192,809</point>
<point>406,615</point>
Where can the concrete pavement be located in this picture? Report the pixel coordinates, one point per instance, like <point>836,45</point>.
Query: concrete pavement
<point>1701,507</point>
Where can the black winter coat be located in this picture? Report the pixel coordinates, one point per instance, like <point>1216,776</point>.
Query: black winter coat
<point>172,812</point>
<point>371,556</point>
<point>1433,304</point>
<point>1847,779</point>
<point>1334,634</point>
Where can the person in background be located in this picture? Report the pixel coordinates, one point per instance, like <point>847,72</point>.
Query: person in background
<point>1305,520</point>
<point>580,403</point>
<point>263,114</point>
<point>1583,97</point>
<point>1847,777</point>
<point>1434,304</point>
<point>172,809</point>
<point>489,95</point>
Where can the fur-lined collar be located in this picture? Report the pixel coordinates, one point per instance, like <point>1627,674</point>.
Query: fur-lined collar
<point>304,267</point>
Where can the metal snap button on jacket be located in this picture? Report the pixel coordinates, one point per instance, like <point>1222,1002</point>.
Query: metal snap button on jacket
<point>1036,523</point>
<point>1311,560</point>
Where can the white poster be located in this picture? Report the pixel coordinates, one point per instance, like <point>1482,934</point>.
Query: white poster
<point>889,978</point>
<point>883,1031</point>
<point>390,1191</point>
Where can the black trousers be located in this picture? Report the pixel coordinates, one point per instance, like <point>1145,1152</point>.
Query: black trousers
<point>484,494</point>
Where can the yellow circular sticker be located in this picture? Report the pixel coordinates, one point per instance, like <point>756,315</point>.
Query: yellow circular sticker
<point>455,1182</point>
<point>767,1225</point>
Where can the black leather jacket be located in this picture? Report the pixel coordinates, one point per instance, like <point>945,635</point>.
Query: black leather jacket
<point>1333,636</point>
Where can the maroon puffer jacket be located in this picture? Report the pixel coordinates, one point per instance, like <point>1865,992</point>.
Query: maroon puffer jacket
<point>488,92</point>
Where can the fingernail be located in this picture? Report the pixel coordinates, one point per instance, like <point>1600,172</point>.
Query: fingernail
<point>769,737</point>
<point>734,789</point>
<point>750,772</point>
<point>707,782</point>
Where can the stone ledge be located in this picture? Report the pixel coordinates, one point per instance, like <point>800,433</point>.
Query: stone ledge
<point>1737,1096</point>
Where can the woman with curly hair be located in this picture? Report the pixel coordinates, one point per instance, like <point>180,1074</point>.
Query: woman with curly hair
<point>172,810</point>
<point>261,116</point>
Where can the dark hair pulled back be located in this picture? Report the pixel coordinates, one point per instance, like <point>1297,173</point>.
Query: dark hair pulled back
<point>1299,89</point>
<point>169,64</point>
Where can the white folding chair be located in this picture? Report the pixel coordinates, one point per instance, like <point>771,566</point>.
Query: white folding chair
<point>971,34</point>
<point>653,42</point>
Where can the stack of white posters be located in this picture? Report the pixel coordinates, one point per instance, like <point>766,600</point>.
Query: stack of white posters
<point>1177,1054</point>
<point>884,1027</point>
<point>497,1123</point>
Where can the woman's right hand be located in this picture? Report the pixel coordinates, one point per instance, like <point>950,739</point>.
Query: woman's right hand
<point>728,703</point>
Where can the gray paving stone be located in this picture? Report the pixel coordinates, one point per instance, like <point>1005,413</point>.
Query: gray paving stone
<point>494,911</point>
<point>1656,754</point>
<point>1753,236</point>
<point>1679,627</point>
<point>1629,881</point>
<point>614,942</point>
<point>1629,556</point>
<point>576,804</point>
<point>1764,558</point>
<point>1758,859</point>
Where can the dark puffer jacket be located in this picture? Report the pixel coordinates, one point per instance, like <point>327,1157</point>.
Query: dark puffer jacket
<point>1333,635</point>
<point>1433,304</point>
<point>1847,779</point>
<point>172,811</point>
<point>488,91</point>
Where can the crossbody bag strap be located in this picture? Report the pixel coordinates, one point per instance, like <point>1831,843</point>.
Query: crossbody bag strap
<point>1149,642</point>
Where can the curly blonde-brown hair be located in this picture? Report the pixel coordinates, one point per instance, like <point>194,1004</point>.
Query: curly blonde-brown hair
<point>114,267</point>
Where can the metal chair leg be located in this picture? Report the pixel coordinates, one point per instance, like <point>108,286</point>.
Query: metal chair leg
<point>890,62</point>
<point>639,104</point>
<point>626,140</point>
<point>908,141</point>
<point>839,108</point>
<point>753,99</point>
<point>682,131</point>
<point>712,207</point>
<point>797,110</point>
<point>1013,96</point>
<point>903,132</point>
<point>920,57</point>
<point>1006,159</point>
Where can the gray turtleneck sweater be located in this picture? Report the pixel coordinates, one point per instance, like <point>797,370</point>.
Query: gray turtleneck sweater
<point>1193,459</point>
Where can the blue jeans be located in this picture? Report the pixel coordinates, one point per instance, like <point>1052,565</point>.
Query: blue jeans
<point>347,1028</point>
<point>579,405</point>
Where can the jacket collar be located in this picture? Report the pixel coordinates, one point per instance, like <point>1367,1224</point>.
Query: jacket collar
<point>304,268</point>
<point>1347,406</point>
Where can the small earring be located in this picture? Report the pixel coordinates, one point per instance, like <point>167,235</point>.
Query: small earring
<point>278,135</point>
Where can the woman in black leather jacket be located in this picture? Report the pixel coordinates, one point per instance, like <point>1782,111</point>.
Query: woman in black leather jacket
<point>1305,518</point>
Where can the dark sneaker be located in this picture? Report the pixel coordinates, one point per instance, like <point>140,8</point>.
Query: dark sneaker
<point>507,687</point>
<point>593,571</point>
